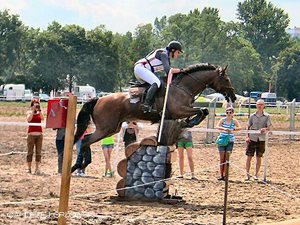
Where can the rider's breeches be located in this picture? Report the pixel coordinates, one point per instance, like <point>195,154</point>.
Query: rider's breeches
<point>34,141</point>
<point>143,74</point>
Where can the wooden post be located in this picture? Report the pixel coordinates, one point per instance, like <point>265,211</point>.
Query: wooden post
<point>226,188</point>
<point>67,160</point>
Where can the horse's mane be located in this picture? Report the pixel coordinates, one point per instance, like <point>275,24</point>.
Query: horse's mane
<point>192,69</point>
<point>198,67</point>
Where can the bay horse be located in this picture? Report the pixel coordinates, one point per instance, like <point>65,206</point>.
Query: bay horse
<point>110,111</point>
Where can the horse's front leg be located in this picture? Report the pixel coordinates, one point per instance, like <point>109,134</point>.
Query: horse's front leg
<point>195,115</point>
<point>200,116</point>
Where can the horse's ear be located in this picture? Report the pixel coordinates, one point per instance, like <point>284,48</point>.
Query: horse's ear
<point>220,71</point>
<point>223,71</point>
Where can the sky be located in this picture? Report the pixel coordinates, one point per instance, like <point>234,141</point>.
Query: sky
<point>124,15</point>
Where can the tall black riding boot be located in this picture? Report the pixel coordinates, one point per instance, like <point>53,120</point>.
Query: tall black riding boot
<point>148,100</point>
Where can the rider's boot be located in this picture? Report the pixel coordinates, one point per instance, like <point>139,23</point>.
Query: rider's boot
<point>146,107</point>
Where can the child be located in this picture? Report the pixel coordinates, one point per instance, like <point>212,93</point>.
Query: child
<point>107,147</point>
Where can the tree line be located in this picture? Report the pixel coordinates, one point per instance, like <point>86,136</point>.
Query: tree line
<point>257,50</point>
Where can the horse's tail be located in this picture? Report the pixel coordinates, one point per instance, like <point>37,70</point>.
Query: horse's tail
<point>84,117</point>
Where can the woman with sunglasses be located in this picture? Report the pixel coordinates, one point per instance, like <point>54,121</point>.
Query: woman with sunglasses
<point>227,125</point>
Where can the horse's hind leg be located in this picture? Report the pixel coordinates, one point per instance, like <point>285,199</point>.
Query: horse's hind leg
<point>84,156</point>
<point>86,149</point>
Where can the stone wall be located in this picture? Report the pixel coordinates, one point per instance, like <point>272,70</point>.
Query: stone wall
<point>144,169</point>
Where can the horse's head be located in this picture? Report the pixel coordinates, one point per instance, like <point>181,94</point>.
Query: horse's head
<point>222,84</point>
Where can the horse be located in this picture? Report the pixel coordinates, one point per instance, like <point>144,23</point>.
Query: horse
<point>110,111</point>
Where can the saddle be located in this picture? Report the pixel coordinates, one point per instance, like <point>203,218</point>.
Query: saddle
<point>138,91</point>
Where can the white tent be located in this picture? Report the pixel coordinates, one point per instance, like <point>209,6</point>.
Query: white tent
<point>219,97</point>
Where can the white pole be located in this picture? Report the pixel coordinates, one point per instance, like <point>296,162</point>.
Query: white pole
<point>266,156</point>
<point>163,114</point>
<point>117,152</point>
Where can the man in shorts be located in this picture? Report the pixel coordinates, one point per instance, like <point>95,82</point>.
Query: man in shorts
<point>261,121</point>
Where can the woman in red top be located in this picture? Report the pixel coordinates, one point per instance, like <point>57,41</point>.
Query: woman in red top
<point>35,135</point>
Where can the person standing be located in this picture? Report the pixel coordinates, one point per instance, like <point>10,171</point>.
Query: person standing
<point>158,60</point>
<point>260,121</point>
<point>185,141</point>
<point>35,135</point>
<point>130,131</point>
<point>60,145</point>
<point>107,147</point>
<point>227,126</point>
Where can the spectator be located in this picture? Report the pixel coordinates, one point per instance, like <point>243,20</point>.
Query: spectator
<point>60,145</point>
<point>35,135</point>
<point>130,131</point>
<point>261,121</point>
<point>227,125</point>
<point>107,147</point>
<point>185,141</point>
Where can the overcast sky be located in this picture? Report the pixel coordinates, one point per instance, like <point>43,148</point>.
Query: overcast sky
<point>123,15</point>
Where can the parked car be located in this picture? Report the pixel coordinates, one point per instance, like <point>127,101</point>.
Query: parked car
<point>44,97</point>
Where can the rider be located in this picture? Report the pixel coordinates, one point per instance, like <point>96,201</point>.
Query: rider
<point>158,60</point>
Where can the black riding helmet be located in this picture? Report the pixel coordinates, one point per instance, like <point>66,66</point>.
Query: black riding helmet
<point>175,45</point>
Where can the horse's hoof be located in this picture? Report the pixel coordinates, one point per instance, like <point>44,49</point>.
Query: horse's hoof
<point>75,167</point>
<point>205,111</point>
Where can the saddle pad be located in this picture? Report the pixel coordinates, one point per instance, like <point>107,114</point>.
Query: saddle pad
<point>135,94</point>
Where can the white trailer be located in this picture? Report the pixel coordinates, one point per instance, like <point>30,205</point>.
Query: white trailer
<point>269,98</point>
<point>84,93</point>
<point>28,95</point>
<point>13,92</point>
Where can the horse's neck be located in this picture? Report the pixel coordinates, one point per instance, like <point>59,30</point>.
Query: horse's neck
<point>196,82</point>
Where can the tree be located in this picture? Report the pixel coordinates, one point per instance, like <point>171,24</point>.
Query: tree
<point>142,43</point>
<point>287,71</point>
<point>125,64</point>
<point>264,26</point>
<point>232,49</point>
<point>101,60</point>
<point>12,32</point>
<point>48,70</point>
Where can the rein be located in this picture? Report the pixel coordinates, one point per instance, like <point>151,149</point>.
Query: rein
<point>189,92</point>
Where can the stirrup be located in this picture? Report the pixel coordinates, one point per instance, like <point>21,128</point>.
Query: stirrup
<point>146,108</point>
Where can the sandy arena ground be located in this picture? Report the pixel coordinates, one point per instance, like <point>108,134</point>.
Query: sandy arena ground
<point>92,197</point>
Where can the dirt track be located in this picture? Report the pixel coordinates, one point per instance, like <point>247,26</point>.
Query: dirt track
<point>248,203</point>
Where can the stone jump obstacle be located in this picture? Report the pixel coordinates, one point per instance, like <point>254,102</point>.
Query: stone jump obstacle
<point>148,165</point>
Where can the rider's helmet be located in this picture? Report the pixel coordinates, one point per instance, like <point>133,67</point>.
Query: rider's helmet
<point>174,45</point>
